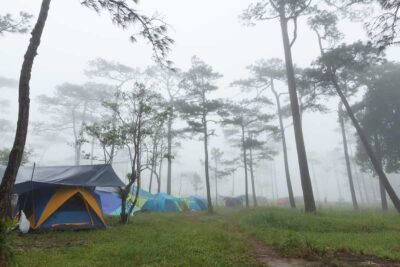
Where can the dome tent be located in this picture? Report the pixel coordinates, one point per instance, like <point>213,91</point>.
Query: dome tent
<point>164,203</point>
<point>63,197</point>
<point>62,207</point>
<point>196,203</point>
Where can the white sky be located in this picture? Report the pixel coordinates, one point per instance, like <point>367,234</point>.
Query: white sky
<point>209,29</point>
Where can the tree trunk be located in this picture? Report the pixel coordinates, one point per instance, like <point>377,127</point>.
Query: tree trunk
<point>151,177</point>
<point>377,166</point>
<point>159,175</point>
<point>17,150</point>
<point>284,147</point>
<point>347,158</point>
<point>112,152</point>
<point>169,158</point>
<point>206,165</point>
<point>252,178</point>
<point>309,201</point>
<point>381,186</point>
<point>123,215</point>
<point>245,168</point>
<point>169,147</point>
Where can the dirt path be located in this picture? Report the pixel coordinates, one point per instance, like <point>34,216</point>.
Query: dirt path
<point>269,257</point>
<point>265,254</point>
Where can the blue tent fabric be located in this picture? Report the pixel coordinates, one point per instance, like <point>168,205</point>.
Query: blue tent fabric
<point>163,203</point>
<point>110,201</point>
<point>196,203</point>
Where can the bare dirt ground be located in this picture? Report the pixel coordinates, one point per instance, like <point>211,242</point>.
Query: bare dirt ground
<point>268,256</point>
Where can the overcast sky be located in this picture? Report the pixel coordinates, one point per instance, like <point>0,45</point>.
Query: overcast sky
<point>209,29</point>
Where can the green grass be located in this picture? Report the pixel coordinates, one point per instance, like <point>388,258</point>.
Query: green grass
<point>298,234</point>
<point>148,240</point>
<point>198,239</point>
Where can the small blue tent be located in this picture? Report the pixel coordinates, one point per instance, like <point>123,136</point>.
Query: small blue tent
<point>164,203</point>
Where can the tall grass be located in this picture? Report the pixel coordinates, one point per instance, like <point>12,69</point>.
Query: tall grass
<point>298,234</point>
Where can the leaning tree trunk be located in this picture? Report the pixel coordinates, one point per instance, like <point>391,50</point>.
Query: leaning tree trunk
<point>347,158</point>
<point>309,201</point>
<point>252,178</point>
<point>169,158</point>
<point>17,150</point>
<point>375,162</point>
<point>246,179</point>
<point>284,146</point>
<point>382,190</point>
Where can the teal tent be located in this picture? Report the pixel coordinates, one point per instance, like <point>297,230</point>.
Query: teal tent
<point>164,203</point>
<point>196,203</point>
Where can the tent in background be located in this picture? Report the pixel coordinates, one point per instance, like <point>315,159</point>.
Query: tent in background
<point>63,197</point>
<point>196,203</point>
<point>111,201</point>
<point>234,202</point>
<point>164,203</point>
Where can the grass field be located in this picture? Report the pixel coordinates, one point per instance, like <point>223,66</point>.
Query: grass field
<point>148,240</point>
<point>325,233</point>
<point>198,239</point>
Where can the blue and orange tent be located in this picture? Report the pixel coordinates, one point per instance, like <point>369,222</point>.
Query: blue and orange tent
<point>63,197</point>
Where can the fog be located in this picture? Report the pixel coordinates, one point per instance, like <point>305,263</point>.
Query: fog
<point>211,30</point>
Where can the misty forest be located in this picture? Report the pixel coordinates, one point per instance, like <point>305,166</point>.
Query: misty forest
<point>188,133</point>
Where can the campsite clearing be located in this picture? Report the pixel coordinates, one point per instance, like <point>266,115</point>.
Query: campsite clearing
<point>230,238</point>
